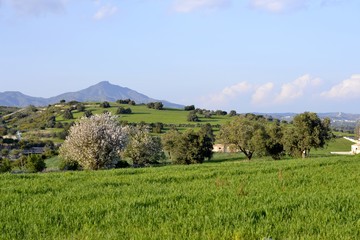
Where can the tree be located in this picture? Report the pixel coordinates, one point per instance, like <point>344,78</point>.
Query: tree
<point>68,114</point>
<point>246,133</point>
<point>232,113</point>
<point>80,107</point>
<point>105,104</point>
<point>87,113</point>
<point>155,105</point>
<point>122,110</point>
<point>273,141</point>
<point>192,117</point>
<point>307,131</point>
<point>95,142</point>
<point>143,148</point>
<point>357,131</point>
<point>189,108</point>
<point>188,147</point>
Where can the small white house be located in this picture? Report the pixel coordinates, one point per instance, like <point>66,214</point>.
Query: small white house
<point>355,148</point>
<point>224,148</point>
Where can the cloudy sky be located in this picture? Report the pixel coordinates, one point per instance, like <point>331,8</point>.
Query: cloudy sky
<point>248,55</point>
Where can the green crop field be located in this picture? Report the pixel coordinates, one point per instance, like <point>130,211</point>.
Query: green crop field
<point>316,198</point>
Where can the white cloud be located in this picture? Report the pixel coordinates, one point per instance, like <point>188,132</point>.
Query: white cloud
<point>347,89</point>
<point>231,92</point>
<point>105,11</point>
<point>296,89</point>
<point>278,6</point>
<point>262,93</point>
<point>186,6</point>
<point>37,7</point>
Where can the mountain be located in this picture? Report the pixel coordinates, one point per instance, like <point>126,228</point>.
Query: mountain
<point>103,91</point>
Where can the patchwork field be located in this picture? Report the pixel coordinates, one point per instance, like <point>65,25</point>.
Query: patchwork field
<point>315,198</point>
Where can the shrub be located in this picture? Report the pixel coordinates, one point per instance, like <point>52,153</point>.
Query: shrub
<point>5,165</point>
<point>34,163</point>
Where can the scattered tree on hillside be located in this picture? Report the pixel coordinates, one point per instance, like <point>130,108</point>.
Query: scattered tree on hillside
<point>192,117</point>
<point>95,142</point>
<point>122,110</point>
<point>80,107</point>
<point>105,104</point>
<point>307,131</point>
<point>232,113</point>
<point>126,101</point>
<point>155,105</point>
<point>68,114</point>
<point>189,108</point>
<point>143,148</point>
<point>87,113</point>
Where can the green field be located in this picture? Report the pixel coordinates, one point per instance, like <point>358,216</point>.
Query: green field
<point>141,113</point>
<point>315,198</point>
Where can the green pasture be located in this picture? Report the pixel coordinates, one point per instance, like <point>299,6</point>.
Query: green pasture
<point>141,113</point>
<point>315,198</point>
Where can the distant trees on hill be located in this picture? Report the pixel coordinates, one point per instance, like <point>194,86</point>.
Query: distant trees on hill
<point>155,105</point>
<point>126,101</point>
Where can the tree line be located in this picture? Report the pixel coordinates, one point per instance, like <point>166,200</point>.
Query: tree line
<point>101,142</point>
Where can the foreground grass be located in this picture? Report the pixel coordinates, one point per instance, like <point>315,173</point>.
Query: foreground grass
<point>293,199</point>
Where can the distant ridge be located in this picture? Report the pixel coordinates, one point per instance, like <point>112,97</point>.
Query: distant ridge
<point>103,91</point>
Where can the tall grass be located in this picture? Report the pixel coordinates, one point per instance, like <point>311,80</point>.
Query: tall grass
<point>292,199</point>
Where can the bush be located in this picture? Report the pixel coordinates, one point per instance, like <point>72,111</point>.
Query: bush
<point>69,165</point>
<point>35,163</point>
<point>5,165</point>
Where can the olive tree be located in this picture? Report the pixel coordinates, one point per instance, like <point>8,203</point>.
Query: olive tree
<point>188,147</point>
<point>95,142</point>
<point>142,147</point>
<point>246,133</point>
<point>307,131</point>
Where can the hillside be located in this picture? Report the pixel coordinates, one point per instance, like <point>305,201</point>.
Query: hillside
<point>103,91</point>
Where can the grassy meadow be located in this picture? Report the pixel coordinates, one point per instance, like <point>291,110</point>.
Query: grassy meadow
<point>315,198</point>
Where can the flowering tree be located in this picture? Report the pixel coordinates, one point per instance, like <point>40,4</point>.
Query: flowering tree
<point>95,142</point>
<point>143,148</point>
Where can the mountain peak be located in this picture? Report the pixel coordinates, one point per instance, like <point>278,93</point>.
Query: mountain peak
<point>102,91</point>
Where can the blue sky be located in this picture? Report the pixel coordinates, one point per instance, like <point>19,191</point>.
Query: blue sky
<point>250,55</point>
